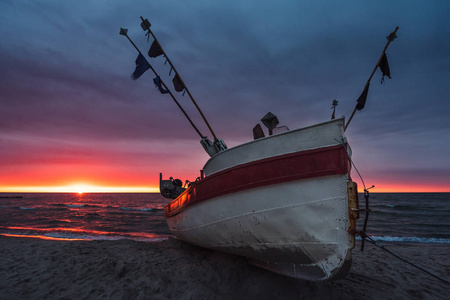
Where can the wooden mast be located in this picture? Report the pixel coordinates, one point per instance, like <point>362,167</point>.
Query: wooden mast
<point>146,26</point>
<point>124,32</point>
<point>390,38</point>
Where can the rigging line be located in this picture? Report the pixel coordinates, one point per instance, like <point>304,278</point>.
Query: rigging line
<point>366,193</point>
<point>165,86</point>
<point>356,169</point>
<point>401,258</point>
<point>351,161</point>
<point>182,82</point>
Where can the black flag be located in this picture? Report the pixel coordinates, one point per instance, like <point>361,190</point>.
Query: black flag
<point>177,84</point>
<point>362,99</point>
<point>157,82</point>
<point>155,50</point>
<point>384,67</point>
<point>142,65</point>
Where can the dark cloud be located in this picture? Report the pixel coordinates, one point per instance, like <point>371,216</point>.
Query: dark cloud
<point>66,75</point>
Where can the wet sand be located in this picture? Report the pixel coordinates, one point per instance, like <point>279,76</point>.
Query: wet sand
<point>125,269</point>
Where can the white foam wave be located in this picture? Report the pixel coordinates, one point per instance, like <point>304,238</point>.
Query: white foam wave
<point>410,239</point>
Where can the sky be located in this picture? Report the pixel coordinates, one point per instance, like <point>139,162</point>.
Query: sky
<point>71,118</point>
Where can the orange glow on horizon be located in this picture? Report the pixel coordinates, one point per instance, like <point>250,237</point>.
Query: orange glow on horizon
<point>93,176</point>
<point>79,189</point>
<point>382,187</point>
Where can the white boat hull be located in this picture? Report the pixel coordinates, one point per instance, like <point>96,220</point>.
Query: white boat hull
<point>293,221</point>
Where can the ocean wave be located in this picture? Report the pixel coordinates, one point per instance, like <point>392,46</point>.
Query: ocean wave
<point>137,209</point>
<point>111,207</point>
<point>73,205</point>
<point>410,207</point>
<point>410,239</point>
<point>26,208</point>
<point>84,237</point>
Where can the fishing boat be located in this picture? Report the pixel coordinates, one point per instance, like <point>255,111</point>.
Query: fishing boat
<point>282,201</point>
<point>285,201</point>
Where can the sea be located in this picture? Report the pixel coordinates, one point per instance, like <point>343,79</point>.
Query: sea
<point>394,217</point>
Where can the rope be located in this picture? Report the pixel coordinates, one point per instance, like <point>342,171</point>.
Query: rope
<point>365,236</point>
<point>353,164</point>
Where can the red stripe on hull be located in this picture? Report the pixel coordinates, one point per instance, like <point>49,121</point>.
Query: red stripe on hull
<point>274,170</point>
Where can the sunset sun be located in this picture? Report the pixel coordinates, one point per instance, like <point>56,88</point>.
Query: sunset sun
<point>81,188</point>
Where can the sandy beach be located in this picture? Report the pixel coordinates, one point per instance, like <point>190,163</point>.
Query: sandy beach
<point>125,269</point>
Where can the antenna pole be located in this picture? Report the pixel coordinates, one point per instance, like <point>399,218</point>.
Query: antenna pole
<point>182,82</point>
<point>124,32</point>
<point>390,38</point>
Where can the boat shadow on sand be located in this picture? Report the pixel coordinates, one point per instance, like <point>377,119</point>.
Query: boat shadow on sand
<point>374,275</point>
